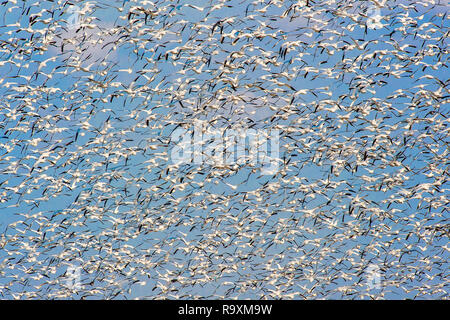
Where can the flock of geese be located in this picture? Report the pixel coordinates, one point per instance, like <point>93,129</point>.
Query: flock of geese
<point>87,183</point>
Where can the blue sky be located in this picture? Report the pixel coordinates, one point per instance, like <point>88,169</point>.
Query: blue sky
<point>110,120</point>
